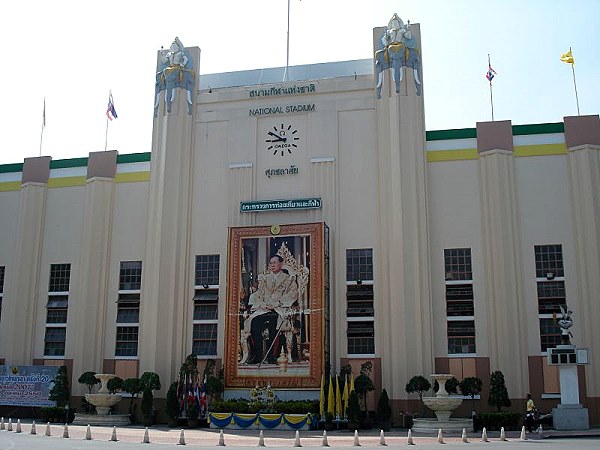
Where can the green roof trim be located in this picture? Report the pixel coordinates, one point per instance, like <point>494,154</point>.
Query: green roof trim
<point>66,163</point>
<point>442,135</point>
<point>517,130</point>
<point>538,128</point>
<point>133,158</point>
<point>8,168</point>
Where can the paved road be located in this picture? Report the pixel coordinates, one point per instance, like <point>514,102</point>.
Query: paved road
<point>164,438</point>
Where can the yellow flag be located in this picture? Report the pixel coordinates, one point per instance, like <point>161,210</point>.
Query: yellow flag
<point>338,398</point>
<point>331,398</point>
<point>322,396</point>
<point>567,57</point>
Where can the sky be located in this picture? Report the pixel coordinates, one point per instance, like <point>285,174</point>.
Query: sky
<point>73,52</point>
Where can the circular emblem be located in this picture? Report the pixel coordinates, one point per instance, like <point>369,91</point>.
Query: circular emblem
<point>275,229</point>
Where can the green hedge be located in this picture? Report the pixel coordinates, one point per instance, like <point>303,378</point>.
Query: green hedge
<point>496,420</point>
<point>284,407</point>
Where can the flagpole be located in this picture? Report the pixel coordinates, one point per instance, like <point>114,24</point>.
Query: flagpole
<point>491,96</point>
<point>287,59</point>
<point>43,126</point>
<point>574,83</point>
<point>106,135</point>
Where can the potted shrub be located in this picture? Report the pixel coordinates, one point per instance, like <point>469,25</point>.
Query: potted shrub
<point>384,411</point>
<point>114,385</point>
<point>498,393</point>
<point>328,421</point>
<point>363,385</point>
<point>193,414</point>
<point>150,382</point>
<point>133,387</point>
<point>59,393</point>
<point>90,380</point>
<point>172,405</point>
<point>353,411</point>
<point>418,384</point>
<point>215,385</point>
<point>470,387</point>
<point>451,386</point>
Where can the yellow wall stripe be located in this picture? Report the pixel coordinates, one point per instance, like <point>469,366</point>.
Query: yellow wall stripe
<point>66,182</point>
<point>452,155</point>
<point>132,177</point>
<point>10,186</point>
<point>519,151</point>
<point>541,150</point>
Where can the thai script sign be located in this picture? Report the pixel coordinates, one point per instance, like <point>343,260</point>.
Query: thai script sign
<point>282,109</point>
<point>279,205</point>
<point>288,90</point>
<point>292,170</point>
<point>27,385</point>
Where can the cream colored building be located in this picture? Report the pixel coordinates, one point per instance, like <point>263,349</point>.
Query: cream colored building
<point>448,250</point>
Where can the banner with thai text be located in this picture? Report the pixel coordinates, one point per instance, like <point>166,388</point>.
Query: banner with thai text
<point>27,385</point>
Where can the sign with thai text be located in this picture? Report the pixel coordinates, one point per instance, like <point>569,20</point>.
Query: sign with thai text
<point>280,205</point>
<point>292,170</point>
<point>27,385</point>
<point>285,90</point>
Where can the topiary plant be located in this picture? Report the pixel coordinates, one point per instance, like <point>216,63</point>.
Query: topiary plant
<point>363,384</point>
<point>384,410</point>
<point>89,379</point>
<point>150,381</point>
<point>114,384</point>
<point>498,393</point>
<point>418,384</point>
<point>59,393</point>
<point>471,386</point>
<point>172,404</point>
<point>133,387</point>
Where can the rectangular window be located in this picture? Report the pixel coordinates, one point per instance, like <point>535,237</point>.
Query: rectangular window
<point>359,264</point>
<point>127,341</point>
<point>360,301</point>
<point>361,338</point>
<point>550,279</point>
<point>550,334</point>
<point>130,276</point>
<point>461,336</point>
<point>54,341</point>
<point>460,303</point>
<point>57,309</point>
<point>60,277</point>
<point>457,262</point>
<point>551,296</point>
<point>205,339</point>
<point>207,270</point>
<point>206,305</point>
<point>128,308</point>
<point>549,261</point>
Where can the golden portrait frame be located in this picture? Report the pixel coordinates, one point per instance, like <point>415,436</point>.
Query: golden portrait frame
<point>287,349</point>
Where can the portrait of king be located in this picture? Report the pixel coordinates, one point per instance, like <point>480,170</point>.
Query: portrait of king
<point>275,322</point>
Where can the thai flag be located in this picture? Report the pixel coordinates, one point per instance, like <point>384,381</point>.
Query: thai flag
<point>111,113</point>
<point>490,74</point>
<point>203,404</point>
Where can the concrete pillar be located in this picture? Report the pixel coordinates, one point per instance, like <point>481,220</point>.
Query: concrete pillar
<point>17,341</point>
<point>506,324</point>
<point>582,136</point>
<point>90,300</point>
<point>167,290</point>
<point>403,282</point>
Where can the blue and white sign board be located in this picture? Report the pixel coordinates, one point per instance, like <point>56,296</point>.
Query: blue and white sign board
<point>27,385</point>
